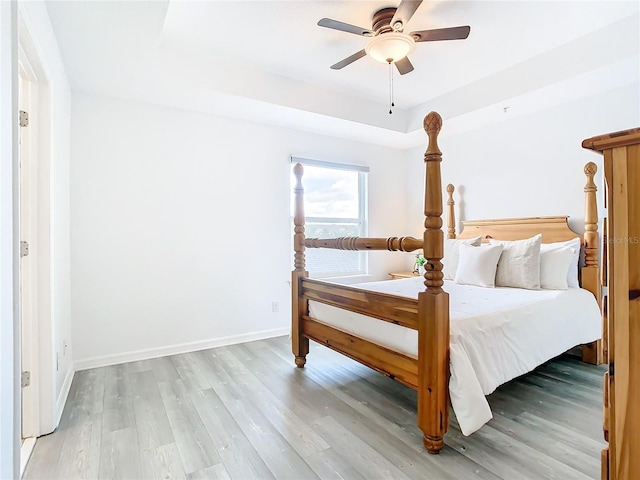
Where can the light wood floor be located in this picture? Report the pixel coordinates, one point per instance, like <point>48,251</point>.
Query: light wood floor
<point>245,412</point>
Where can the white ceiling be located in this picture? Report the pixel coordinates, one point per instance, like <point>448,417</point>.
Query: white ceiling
<point>268,61</point>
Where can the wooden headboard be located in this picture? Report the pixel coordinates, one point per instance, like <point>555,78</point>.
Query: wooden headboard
<point>553,229</point>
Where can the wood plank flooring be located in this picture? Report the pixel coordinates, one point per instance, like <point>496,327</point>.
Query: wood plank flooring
<point>245,412</point>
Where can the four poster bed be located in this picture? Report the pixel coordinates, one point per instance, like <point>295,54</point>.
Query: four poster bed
<point>456,351</point>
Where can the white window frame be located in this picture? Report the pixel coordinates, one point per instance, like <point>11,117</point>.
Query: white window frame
<point>361,221</point>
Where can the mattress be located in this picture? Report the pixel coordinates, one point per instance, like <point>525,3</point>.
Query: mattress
<point>497,334</point>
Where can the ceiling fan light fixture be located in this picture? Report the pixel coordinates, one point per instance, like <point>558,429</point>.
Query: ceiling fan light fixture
<point>390,47</point>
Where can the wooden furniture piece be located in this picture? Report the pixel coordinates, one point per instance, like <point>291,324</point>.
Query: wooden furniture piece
<point>621,150</point>
<point>407,274</point>
<point>428,373</point>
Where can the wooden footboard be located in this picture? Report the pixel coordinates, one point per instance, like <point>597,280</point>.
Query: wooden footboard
<point>429,315</point>
<point>389,308</point>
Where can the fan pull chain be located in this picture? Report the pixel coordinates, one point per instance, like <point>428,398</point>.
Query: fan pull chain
<point>391,103</point>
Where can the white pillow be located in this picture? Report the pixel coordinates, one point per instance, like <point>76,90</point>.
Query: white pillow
<point>477,265</point>
<point>452,254</point>
<point>572,273</point>
<point>519,264</point>
<point>554,265</point>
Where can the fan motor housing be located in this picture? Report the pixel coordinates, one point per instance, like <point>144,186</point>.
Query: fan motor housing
<point>382,20</point>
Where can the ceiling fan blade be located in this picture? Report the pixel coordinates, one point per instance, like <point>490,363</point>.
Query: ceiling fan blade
<point>452,33</point>
<point>345,27</point>
<point>349,60</point>
<point>404,65</point>
<point>405,11</point>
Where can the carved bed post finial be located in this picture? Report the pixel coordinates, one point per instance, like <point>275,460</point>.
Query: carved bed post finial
<point>432,125</point>
<point>433,248</point>
<point>591,239</point>
<point>298,220</point>
<point>451,214</point>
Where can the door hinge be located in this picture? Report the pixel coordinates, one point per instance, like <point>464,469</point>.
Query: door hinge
<point>24,118</point>
<point>611,369</point>
<point>25,379</point>
<point>24,248</point>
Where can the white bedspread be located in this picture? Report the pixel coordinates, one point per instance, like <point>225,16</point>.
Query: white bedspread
<point>497,334</point>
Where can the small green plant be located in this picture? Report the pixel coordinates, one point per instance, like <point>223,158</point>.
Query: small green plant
<point>420,261</point>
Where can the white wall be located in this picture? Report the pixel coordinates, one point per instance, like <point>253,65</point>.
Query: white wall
<point>55,371</point>
<point>180,226</point>
<point>530,165</point>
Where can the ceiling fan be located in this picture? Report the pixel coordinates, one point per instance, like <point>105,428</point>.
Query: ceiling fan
<point>389,43</point>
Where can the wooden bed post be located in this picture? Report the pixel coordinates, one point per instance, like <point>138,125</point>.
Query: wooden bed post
<point>591,352</point>
<point>433,305</point>
<point>299,306</point>
<point>451,214</point>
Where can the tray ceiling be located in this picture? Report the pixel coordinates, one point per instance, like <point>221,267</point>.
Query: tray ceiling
<point>268,61</point>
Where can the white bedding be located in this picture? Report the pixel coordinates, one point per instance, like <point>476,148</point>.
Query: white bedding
<point>497,334</point>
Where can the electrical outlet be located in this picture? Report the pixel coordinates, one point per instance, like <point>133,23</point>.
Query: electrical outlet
<point>275,307</point>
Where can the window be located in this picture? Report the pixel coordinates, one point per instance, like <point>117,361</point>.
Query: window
<point>335,199</point>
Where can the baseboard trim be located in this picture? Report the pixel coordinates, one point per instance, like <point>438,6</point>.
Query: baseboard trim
<point>62,398</point>
<point>106,360</point>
